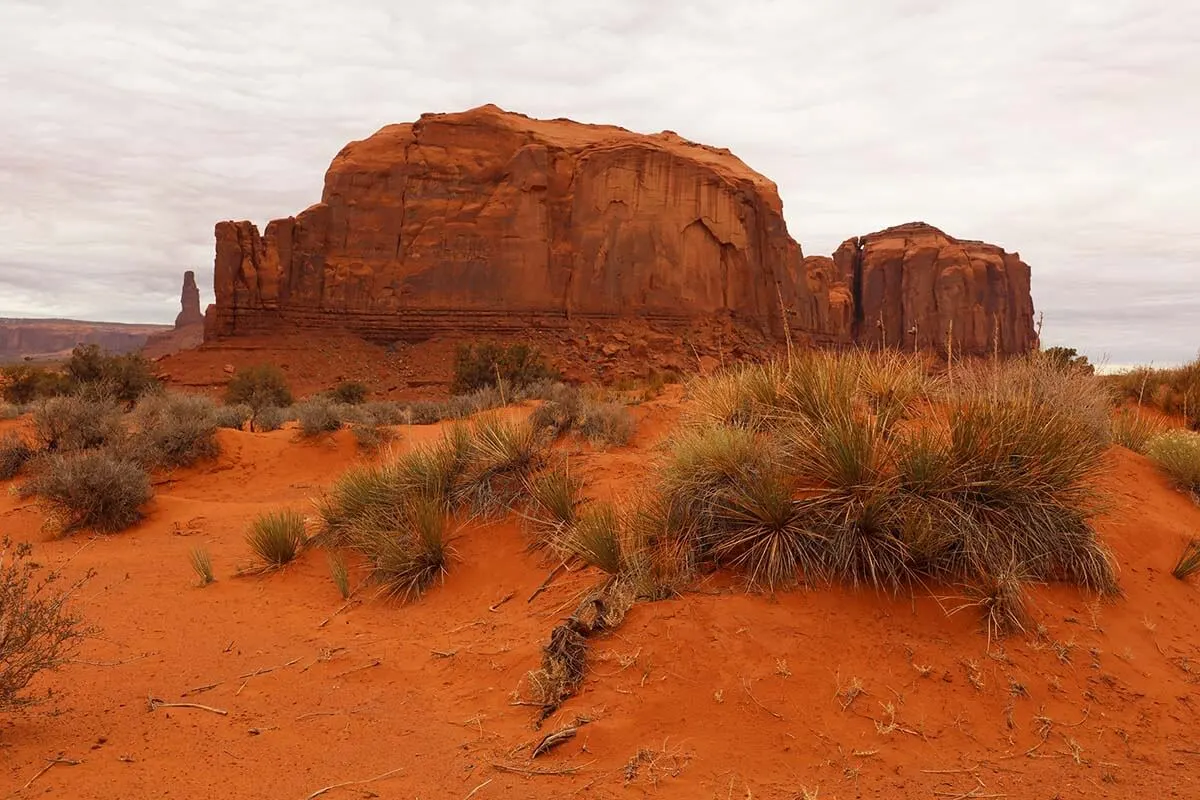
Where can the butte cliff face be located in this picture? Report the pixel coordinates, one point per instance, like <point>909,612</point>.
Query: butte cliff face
<point>487,221</point>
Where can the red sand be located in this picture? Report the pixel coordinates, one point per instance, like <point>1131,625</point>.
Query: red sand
<point>724,694</point>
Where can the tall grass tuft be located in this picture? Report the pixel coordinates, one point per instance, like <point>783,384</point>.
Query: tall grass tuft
<point>596,538</point>
<point>277,537</point>
<point>1189,560</point>
<point>1177,453</point>
<point>201,563</point>
<point>340,573</point>
<point>501,456</point>
<point>408,546</point>
<point>555,498</point>
<point>1135,429</point>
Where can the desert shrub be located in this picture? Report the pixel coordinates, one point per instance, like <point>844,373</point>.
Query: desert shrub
<point>480,365</point>
<point>1066,358</point>
<point>318,415</point>
<point>94,490</point>
<point>1175,391</point>
<point>387,412</point>
<point>233,417</point>
<point>560,409</point>
<point>607,423</point>
<point>201,563</point>
<point>124,378</point>
<point>261,386</point>
<point>15,453</point>
<point>369,435</point>
<point>21,384</point>
<point>70,424</point>
<point>277,537</point>
<point>1133,428</point>
<point>174,430</point>
<point>501,457</point>
<point>407,545</point>
<point>39,629</point>
<point>351,393</point>
<point>1177,453</point>
<point>271,418</point>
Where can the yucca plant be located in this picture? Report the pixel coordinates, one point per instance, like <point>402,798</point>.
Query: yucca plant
<point>277,537</point>
<point>555,498</point>
<point>596,537</point>
<point>408,546</point>
<point>500,457</point>
<point>201,563</point>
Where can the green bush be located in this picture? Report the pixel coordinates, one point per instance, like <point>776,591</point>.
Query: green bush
<point>94,490</point>
<point>174,430</point>
<point>23,384</point>
<point>70,424</point>
<point>15,453</point>
<point>480,365</point>
<point>351,393</point>
<point>261,386</point>
<point>124,378</point>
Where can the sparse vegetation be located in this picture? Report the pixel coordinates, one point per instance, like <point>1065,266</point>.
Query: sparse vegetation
<point>317,416</point>
<point>1134,428</point>
<point>124,378</point>
<point>340,574</point>
<point>407,546</point>
<point>95,490</point>
<point>502,455</point>
<point>22,384</point>
<point>555,498</point>
<point>201,563</point>
<point>277,537</point>
<point>72,424</point>
<point>233,417</point>
<point>15,453</point>
<point>516,365</point>
<point>260,387</point>
<point>174,430</point>
<point>564,409</point>
<point>1189,560</point>
<point>351,393</point>
<point>271,418</point>
<point>39,629</point>
<point>1174,391</point>
<point>1177,453</point>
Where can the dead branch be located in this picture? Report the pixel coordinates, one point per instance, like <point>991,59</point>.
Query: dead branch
<point>546,583</point>
<point>333,786</point>
<point>477,788</point>
<point>374,663</point>
<point>746,686</point>
<point>52,762</point>
<point>201,689</point>
<point>496,605</point>
<point>521,771</point>
<point>154,703</point>
<point>553,740</point>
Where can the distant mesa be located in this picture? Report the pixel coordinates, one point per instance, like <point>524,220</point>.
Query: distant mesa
<point>487,221</point>
<point>53,339</point>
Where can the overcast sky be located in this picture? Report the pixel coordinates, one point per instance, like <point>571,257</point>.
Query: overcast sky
<point>1066,130</point>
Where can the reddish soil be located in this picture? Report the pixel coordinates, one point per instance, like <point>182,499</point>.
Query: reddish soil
<point>717,694</point>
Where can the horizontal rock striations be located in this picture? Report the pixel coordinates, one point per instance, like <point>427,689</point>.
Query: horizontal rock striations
<point>491,222</point>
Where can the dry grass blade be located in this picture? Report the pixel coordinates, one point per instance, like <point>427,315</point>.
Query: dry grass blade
<point>333,786</point>
<point>1189,560</point>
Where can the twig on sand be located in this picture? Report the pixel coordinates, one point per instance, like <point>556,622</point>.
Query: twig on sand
<point>496,605</point>
<point>546,583</point>
<point>265,670</point>
<point>333,786</point>
<point>522,771</point>
<point>201,689</point>
<point>374,663</point>
<point>444,653</point>
<point>477,788</point>
<point>154,703</point>
<point>750,694</point>
<point>340,609</point>
<point>553,740</point>
<point>51,762</point>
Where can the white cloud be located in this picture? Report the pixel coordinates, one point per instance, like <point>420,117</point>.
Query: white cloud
<point>1061,130</point>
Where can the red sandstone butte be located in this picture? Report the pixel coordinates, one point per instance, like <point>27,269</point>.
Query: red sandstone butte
<point>489,221</point>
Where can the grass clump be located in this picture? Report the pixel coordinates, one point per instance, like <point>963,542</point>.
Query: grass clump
<point>72,424</point>
<point>339,572</point>
<point>124,378</point>
<point>596,538</point>
<point>555,498</point>
<point>260,386</point>
<point>502,456</point>
<point>41,631</point>
<point>271,418</point>
<point>407,546</point>
<point>1134,429</point>
<point>607,423</point>
<point>277,537</point>
<point>95,490</point>
<point>317,416</point>
<point>15,453</point>
<point>201,563</point>
<point>1189,560</point>
<point>350,393</point>
<point>174,430</point>
<point>233,417</point>
<point>488,364</point>
<point>1174,391</point>
<point>1177,453</point>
